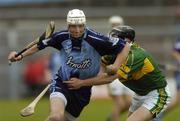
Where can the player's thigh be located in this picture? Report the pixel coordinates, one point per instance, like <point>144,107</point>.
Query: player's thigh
<point>141,114</point>
<point>115,88</point>
<point>119,101</point>
<point>128,99</point>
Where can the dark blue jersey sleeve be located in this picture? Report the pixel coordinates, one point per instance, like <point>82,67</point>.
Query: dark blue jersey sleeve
<point>103,44</point>
<point>55,41</point>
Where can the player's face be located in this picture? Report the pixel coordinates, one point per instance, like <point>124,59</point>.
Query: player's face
<point>76,31</point>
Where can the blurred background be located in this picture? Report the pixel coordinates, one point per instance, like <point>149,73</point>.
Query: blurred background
<point>157,25</point>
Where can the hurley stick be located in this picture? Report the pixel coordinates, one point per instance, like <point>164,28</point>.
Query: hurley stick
<point>29,110</point>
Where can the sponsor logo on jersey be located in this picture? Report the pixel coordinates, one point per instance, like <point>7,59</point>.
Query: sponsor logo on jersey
<point>86,63</point>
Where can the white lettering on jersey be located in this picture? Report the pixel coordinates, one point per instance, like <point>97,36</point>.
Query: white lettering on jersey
<point>84,64</point>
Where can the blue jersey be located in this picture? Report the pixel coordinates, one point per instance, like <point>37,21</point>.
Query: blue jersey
<point>81,57</point>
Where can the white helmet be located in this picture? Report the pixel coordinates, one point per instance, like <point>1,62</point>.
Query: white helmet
<point>116,20</point>
<point>76,16</point>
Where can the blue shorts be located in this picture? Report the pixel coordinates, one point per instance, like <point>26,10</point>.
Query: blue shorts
<point>76,99</point>
<point>177,77</point>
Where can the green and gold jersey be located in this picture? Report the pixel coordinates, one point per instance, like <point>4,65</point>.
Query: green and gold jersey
<point>140,72</point>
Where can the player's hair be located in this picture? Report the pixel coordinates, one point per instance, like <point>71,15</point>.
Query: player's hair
<point>75,17</point>
<point>123,32</point>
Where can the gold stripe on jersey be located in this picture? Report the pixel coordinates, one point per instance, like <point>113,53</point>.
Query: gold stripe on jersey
<point>125,68</point>
<point>147,68</point>
<point>122,74</point>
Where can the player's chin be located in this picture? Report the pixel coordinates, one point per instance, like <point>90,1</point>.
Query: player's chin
<point>77,35</point>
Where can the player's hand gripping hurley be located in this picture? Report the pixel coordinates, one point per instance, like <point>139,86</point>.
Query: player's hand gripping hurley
<point>29,110</point>
<point>47,34</point>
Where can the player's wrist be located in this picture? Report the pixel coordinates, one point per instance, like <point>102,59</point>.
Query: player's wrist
<point>22,56</point>
<point>82,84</point>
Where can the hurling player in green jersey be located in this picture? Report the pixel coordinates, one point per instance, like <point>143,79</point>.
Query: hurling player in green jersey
<point>140,73</point>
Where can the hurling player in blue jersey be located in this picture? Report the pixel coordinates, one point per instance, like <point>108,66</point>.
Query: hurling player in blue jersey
<point>80,49</point>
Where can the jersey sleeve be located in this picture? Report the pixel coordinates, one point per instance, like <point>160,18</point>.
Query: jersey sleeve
<point>105,45</point>
<point>54,41</point>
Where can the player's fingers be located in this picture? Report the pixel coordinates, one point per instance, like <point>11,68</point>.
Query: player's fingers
<point>69,83</point>
<point>12,57</point>
<point>70,86</point>
<point>18,57</point>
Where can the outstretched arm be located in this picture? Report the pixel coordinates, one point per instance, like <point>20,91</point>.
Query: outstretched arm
<point>32,47</point>
<point>103,78</point>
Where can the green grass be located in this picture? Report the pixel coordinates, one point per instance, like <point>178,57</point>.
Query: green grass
<point>96,111</point>
<point>9,111</point>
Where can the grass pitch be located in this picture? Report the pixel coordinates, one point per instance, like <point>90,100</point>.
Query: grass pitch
<point>96,111</point>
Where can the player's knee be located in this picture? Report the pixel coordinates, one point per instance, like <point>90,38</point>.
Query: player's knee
<point>55,118</point>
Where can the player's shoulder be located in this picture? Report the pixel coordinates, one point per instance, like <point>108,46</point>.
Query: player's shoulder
<point>63,34</point>
<point>138,52</point>
<point>95,35</point>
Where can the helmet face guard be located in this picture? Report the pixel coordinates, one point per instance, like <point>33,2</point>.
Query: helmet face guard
<point>123,32</point>
<point>116,34</point>
<point>76,17</point>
